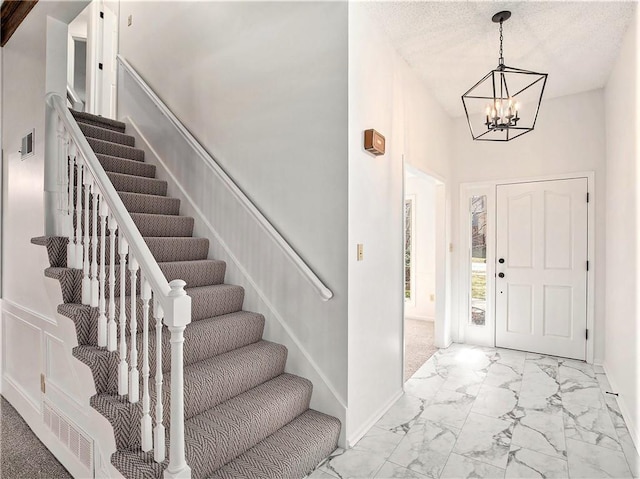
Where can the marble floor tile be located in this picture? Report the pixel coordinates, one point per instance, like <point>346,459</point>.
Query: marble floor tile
<point>594,462</point>
<point>504,376</point>
<point>461,467</point>
<point>484,412</point>
<point>548,405</point>
<point>463,380</point>
<point>424,385</point>
<point>525,463</point>
<point>576,368</point>
<point>538,384</point>
<point>590,424</point>
<point>614,411</point>
<point>449,408</point>
<point>390,470</point>
<point>353,463</point>
<point>495,402</point>
<point>320,474</point>
<point>379,441</point>
<point>486,439</point>
<point>630,451</point>
<point>603,382</point>
<point>401,416</point>
<point>425,448</point>
<point>469,358</point>
<point>540,432</point>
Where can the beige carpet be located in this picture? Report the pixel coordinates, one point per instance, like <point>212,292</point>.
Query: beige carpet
<point>22,455</point>
<point>418,345</point>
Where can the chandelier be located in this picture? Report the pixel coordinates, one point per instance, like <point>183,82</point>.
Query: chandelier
<point>509,98</point>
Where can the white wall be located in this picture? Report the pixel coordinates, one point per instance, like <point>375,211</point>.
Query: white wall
<point>383,94</point>
<point>34,339</point>
<point>622,115</point>
<point>423,192</point>
<point>271,108</point>
<point>569,138</point>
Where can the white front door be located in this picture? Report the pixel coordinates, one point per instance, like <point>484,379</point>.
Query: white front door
<point>541,268</point>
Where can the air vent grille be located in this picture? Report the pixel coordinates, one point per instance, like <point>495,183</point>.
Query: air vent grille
<point>80,445</point>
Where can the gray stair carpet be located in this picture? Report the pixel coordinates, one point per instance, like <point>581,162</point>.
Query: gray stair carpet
<point>244,416</point>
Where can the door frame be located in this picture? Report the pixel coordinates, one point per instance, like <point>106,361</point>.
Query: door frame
<point>465,331</point>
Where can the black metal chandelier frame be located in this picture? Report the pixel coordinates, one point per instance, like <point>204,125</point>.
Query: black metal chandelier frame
<point>508,122</point>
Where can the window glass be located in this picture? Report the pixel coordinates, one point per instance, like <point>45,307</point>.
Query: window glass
<point>478,259</point>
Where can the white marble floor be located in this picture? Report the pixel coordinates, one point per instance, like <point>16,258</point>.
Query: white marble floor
<point>485,412</point>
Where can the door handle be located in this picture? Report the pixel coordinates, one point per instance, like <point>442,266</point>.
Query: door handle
<point>501,260</point>
<point>500,275</point>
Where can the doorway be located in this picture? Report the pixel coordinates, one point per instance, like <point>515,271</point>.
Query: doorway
<point>91,59</point>
<point>526,282</point>
<point>421,216</point>
<point>541,281</point>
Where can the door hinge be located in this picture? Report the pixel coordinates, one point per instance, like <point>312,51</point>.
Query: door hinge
<point>101,14</point>
<point>43,387</point>
<point>586,334</point>
<point>99,66</point>
<point>588,197</point>
<point>587,265</point>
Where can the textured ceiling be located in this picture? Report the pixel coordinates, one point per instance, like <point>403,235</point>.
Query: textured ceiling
<point>451,45</point>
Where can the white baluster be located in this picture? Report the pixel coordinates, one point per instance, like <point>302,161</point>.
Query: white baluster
<point>79,183</point>
<point>95,294</point>
<point>86,282</point>
<point>123,370</point>
<point>73,166</point>
<point>178,318</point>
<point>158,430</point>
<point>145,422</point>
<point>134,375</point>
<point>112,328</point>
<point>63,180</point>
<point>102,318</point>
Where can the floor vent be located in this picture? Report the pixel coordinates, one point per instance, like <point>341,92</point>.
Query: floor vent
<point>69,434</point>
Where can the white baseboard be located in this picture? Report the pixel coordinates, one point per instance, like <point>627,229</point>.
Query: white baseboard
<point>624,409</point>
<point>374,418</point>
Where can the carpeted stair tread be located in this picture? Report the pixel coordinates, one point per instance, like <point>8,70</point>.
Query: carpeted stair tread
<point>163,225</point>
<point>215,300</point>
<point>215,380</point>
<point>206,302</point>
<point>165,248</point>
<point>106,134</point>
<point>138,184</point>
<point>127,167</point>
<point>196,273</point>
<point>115,149</point>
<point>102,363</point>
<point>144,203</point>
<point>70,282</point>
<point>229,429</point>
<point>119,412</point>
<point>98,120</point>
<point>206,338</point>
<point>291,452</point>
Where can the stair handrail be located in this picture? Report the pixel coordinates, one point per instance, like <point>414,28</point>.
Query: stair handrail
<point>74,99</point>
<point>324,292</point>
<point>82,177</point>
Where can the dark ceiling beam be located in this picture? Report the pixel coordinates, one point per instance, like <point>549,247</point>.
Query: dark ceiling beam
<point>12,13</point>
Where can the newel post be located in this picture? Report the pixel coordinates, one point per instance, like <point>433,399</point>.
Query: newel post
<point>177,316</point>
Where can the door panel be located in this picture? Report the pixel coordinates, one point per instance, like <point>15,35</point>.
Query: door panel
<point>542,237</point>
